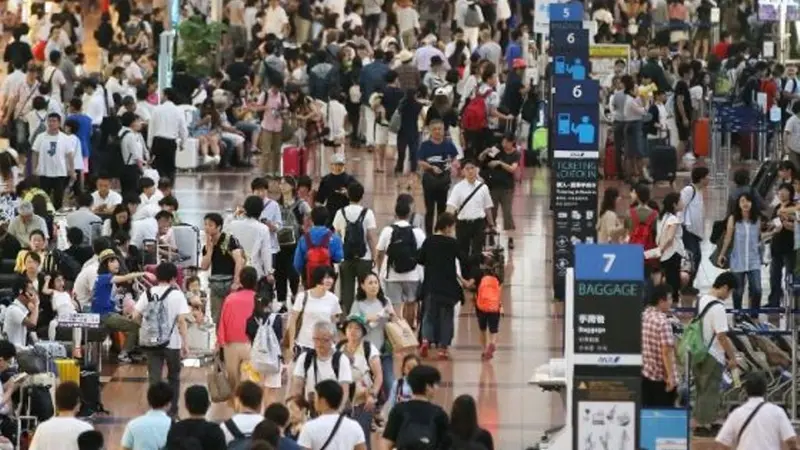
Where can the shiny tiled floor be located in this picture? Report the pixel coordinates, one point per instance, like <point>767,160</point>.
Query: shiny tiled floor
<point>513,411</point>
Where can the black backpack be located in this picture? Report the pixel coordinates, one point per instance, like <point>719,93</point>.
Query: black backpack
<point>355,242</point>
<point>114,164</point>
<point>367,355</point>
<point>402,250</point>
<point>311,358</point>
<point>416,434</point>
<point>241,441</point>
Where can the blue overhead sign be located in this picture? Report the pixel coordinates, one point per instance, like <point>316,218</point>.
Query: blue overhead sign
<point>576,92</point>
<point>600,262</point>
<point>566,12</point>
<point>576,128</point>
<point>575,43</point>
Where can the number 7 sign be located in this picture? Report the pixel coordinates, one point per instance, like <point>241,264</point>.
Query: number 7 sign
<point>609,262</point>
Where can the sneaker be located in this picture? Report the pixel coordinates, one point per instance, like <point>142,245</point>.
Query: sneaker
<point>423,349</point>
<point>490,349</point>
<point>124,358</point>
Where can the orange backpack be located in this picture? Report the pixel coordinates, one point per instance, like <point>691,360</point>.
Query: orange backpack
<point>488,298</point>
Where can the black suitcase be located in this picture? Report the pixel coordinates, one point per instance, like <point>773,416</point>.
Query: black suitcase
<point>765,178</point>
<point>663,161</point>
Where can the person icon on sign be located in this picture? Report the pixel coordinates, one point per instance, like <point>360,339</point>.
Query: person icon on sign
<point>585,131</point>
<point>578,70</point>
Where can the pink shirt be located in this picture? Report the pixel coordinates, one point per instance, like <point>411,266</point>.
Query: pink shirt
<point>275,104</point>
<point>236,310</point>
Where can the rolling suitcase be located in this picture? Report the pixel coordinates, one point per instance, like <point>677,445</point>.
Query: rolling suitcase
<point>68,370</point>
<point>663,161</point>
<point>293,160</point>
<point>187,157</point>
<point>701,138</point>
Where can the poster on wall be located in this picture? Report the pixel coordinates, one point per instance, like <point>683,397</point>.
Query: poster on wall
<point>605,413</point>
<point>603,57</point>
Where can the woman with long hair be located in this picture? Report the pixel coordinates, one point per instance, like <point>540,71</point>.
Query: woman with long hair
<point>610,229</point>
<point>120,220</point>
<point>371,304</point>
<point>274,105</point>
<point>669,240</point>
<point>104,301</point>
<point>464,428</point>
<point>743,234</point>
<point>782,245</point>
<point>634,113</point>
<point>295,213</point>
<point>206,130</point>
<point>315,304</point>
<point>307,116</point>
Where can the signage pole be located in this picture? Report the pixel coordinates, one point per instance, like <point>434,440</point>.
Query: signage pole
<point>605,352</point>
<point>573,130</point>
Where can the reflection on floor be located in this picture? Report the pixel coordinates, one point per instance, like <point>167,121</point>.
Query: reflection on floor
<point>530,334</point>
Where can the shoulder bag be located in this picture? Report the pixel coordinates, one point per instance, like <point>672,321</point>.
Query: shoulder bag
<point>469,197</point>
<point>747,422</point>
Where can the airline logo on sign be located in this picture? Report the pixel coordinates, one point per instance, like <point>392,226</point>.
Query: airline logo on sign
<point>608,360</point>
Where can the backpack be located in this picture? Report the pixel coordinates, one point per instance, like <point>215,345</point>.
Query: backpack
<point>691,344</point>
<point>474,117</point>
<point>311,358</point>
<point>472,18</point>
<point>402,250</point>
<point>265,353</point>
<point>41,128</point>
<point>642,233</point>
<point>67,265</point>
<point>317,255</point>
<point>488,297</point>
<point>287,234</point>
<point>156,329</point>
<point>241,441</point>
<point>355,242</point>
<point>416,434</point>
<point>723,85</point>
<point>367,346</point>
<point>114,163</point>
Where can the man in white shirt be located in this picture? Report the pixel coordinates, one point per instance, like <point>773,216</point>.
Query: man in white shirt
<point>320,365</point>
<point>791,132</point>
<point>358,251</point>
<point>11,84</point>
<point>114,86</point>
<point>471,202</point>
<point>249,396</point>
<point>708,371</point>
<point>329,398</point>
<point>61,432</point>
<point>167,126</point>
<point>177,310</point>
<point>757,424</point>
<point>23,313</point>
<point>54,77</point>
<point>133,73</point>
<point>397,247</point>
<point>104,199</point>
<point>693,219</point>
<point>134,153</point>
<point>276,20</point>
<point>53,158</point>
<point>84,283</point>
<point>254,236</point>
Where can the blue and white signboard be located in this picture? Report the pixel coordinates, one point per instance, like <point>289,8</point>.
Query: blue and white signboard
<point>664,429</point>
<point>575,119</point>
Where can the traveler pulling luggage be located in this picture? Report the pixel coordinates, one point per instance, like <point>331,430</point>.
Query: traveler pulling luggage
<point>663,160</point>
<point>188,155</point>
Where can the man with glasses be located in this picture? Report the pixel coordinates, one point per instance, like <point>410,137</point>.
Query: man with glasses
<point>321,363</point>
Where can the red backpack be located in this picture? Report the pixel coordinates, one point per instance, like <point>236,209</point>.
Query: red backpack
<point>317,255</point>
<point>474,117</point>
<point>642,233</point>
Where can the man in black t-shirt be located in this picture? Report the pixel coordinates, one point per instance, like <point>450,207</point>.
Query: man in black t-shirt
<point>195,429</point>
<point>418,419</point>
<point>225,259</point>
<point>500,166</point>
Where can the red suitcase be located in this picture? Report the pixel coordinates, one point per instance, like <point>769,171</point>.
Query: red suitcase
<point>610,159</point>
<point>293,161</point>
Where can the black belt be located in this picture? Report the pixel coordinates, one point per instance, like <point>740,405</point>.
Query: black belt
<point>472,220</point>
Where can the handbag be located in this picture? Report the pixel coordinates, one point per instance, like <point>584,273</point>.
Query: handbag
<point>401,336</point>
<point>219,386</point>
<point>396,121</point>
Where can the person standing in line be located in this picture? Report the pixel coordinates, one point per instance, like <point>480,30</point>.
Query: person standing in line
<point>53,160</point>
<point>471,202</point>
<point>694,220</point>
<point>177,347</point>
<point>757,423</point>
<point>167,126</point>
<point>359,248</point>
<point>435,156</point>
<point>225,257</point>
<point>658,351</point>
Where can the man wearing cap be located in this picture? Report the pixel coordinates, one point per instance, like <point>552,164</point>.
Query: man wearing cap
<point>407,73</point>
<point>515,91</point>
<point>332,191</point>
<point>424,55</point>
<point>25,222</point>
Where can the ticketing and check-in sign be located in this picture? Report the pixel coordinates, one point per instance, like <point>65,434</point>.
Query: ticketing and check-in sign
<point>574,128</point>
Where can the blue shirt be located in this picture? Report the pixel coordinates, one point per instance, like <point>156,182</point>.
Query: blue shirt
<point>147,432</point>
<point>84,132</point>
<point>513,51</point>
<point>317,233</point>
<point>287,444</point>
<point>437,154</point>
<point>102,302</point>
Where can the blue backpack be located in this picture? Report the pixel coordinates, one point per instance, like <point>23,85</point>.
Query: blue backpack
<point>241,441</point>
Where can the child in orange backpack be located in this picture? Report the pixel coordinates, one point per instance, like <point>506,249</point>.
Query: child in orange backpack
<point>488,308</point>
